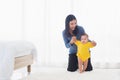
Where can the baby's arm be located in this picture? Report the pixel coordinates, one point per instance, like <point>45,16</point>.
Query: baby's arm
<point>91,44</point>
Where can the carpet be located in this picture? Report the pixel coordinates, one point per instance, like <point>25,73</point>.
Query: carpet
<point>51,73</point>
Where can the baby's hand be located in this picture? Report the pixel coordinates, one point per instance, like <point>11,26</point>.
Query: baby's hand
<point>73,40</point>
<point>93,43</point>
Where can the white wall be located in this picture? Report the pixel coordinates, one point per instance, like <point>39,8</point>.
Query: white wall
<point>11,18</point>
<point>100,18</point>
<point>43,26</point>
<point>42,22</point>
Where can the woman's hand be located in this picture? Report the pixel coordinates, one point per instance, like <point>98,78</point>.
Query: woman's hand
<point>93,43</point>
<point>73,39</point>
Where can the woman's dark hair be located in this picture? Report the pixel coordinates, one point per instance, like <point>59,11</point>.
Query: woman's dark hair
<point>67,21</point>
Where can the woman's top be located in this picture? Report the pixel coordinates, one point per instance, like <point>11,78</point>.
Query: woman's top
<point>72,47</point>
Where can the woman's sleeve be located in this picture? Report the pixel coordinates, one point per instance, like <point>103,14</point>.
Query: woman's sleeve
<point>66,41</point>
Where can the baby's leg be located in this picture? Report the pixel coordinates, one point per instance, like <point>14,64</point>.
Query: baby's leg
<point>80,63</point>
<point>85,65</point>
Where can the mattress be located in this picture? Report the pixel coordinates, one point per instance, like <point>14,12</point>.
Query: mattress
<point>24,53</point>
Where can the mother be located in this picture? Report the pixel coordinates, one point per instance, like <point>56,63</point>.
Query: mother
<point>72,29</point>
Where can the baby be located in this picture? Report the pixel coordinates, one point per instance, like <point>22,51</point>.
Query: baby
<point>83,52</point>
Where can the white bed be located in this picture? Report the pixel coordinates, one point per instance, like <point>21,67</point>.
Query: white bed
<point>14,55</point>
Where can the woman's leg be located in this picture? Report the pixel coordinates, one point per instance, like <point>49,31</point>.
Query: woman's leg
<point>89,66</point>
<point>80,65</point>
<point>72,62</point>
<point>85,65</point>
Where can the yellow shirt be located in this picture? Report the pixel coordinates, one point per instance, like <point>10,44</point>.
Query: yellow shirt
<point>83,50</point>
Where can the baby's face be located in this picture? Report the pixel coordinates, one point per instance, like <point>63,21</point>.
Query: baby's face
<point>84,39</point>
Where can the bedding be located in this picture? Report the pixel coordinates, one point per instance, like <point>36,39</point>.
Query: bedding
<point>8,52</point>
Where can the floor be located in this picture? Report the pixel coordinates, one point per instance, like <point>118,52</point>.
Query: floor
<point>60,73</point>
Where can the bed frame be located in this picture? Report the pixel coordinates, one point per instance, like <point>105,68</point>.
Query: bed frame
<point>24,61</point>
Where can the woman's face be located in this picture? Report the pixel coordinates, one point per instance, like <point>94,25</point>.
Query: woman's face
<point>72,24</point>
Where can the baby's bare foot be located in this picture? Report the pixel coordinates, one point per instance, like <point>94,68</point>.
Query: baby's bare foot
<point>81,71</point>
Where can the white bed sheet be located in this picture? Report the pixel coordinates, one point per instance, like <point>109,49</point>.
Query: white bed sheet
<point>8,52</point>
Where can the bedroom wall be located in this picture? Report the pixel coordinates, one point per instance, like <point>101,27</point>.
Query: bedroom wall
<point>99,18</point>
<point>11,20</point>
<point>42,22</point>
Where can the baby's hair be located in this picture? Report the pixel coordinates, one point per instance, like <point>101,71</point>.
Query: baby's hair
<point>85,34</point>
